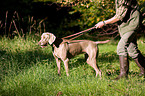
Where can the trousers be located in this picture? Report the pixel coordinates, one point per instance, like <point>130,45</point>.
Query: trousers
<point>128,45</point>
<point>128,32</point>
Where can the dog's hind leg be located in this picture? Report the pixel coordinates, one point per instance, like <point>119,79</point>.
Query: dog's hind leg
<point>92,62</point>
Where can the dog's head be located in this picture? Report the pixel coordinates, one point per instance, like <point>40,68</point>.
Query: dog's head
<point>46,38</point>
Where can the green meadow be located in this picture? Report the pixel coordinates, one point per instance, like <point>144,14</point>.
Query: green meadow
<point>28,70</point>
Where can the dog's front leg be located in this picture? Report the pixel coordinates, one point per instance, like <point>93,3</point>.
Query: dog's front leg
<point>58,61</point>
<point>58,66</point>
<point>66,66</point>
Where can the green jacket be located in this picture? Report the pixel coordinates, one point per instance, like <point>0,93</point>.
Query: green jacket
<point>127,11</point>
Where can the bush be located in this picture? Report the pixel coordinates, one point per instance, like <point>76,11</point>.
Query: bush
<point>93,11</point>
<point>67,16</point>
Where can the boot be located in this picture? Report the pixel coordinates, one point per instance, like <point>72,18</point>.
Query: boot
<point>140,61</point>
<point>124,67</point>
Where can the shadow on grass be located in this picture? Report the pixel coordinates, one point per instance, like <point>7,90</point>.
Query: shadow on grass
<point>104,58</point>
<point>15,62</point>
<point>104,61</point>
<point>108,57</point>
<point>24,90</point>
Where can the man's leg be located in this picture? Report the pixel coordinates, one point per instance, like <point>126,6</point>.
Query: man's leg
<point>123,53</point>
<point>140,61</point>
<point>124,67</point>
<point>137,56</point>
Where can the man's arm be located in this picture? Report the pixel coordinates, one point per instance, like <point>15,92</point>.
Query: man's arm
<point>121,11</point>
<point>109,21</point>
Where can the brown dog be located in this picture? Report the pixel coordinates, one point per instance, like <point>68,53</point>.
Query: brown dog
<point>64,49</point>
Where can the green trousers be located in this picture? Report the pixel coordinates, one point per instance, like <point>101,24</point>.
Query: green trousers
<point>128,42</point>
<point>128,45</point>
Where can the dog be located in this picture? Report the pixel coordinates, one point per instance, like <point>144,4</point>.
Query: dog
<point>64,50</point>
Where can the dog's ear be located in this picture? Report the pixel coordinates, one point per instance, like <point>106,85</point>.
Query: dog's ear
<point>51,38</point>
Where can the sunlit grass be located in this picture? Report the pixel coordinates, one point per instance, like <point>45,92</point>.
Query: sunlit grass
<point>28,70</point>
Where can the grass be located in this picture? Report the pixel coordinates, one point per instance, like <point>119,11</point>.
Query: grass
<point>28,70</point>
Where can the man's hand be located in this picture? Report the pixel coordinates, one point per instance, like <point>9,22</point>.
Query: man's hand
<point>100,24</point>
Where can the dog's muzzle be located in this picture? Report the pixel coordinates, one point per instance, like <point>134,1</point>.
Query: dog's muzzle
<point>42,44</point>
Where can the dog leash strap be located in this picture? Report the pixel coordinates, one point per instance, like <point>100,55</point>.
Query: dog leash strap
<point>75,36</point>
<point>79,33</point>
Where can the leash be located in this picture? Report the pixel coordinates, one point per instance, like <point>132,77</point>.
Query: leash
<point>81,33</point>
<point>78,34</point>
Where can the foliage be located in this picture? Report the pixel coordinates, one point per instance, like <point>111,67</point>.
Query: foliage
<point>67,16</point>
<point>89,12</point>
<point>86,13</point>
<point>94,11</point>
<point>28,70</point>
<point>142,6</point>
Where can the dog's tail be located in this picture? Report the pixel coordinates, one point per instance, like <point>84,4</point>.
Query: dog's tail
<point>102,42</point>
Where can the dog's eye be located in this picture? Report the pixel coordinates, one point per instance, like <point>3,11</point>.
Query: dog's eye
<point>43,37</point>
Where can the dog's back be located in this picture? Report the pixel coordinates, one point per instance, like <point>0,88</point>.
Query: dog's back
<point>66,49</point>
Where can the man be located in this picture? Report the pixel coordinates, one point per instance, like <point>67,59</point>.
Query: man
<point>128,19</point>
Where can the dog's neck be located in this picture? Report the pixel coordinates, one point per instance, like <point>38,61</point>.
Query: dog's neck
<point>57,42</point>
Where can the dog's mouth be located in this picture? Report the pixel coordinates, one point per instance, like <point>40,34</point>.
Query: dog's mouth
<point>42,46</point>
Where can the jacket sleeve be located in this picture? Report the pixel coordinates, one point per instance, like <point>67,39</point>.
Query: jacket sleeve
<point>121,9</point>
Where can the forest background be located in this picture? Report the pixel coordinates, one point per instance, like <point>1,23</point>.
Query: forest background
<point>61,17</point>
